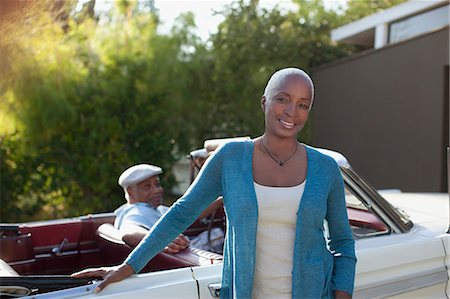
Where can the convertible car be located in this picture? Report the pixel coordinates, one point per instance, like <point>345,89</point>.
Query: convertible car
<point>402,246</point>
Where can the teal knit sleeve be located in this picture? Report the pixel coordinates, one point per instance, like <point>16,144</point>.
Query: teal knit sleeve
<point>342,243</point>
<point>204,190</point>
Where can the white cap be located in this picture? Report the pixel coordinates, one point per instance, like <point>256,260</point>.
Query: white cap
<point>137,173</point>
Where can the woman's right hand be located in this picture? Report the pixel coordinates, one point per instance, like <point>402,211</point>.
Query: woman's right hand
<point>109,274</point>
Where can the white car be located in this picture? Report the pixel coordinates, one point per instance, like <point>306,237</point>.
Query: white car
<point>402,245</point>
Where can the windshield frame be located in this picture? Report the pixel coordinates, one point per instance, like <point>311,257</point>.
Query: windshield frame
<point>370,197</point>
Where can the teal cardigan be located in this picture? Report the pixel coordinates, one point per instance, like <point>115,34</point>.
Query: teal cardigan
<point>317,271</point>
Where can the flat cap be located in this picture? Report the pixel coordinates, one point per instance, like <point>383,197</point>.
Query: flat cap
<point>137,173</point>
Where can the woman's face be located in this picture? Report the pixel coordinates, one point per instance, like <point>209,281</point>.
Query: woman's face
<point>286,112</point>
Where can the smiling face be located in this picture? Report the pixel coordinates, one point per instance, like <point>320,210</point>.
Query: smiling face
<point>148,191</point>
<point>287,107</point>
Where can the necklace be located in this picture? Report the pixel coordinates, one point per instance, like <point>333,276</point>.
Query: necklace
<point>279,162</point>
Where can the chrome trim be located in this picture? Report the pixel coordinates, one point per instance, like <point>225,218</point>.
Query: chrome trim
<point>403,285</point>
<point>86,251</point>
<point>22,262</point>
<point>67,293</point>
<point>57,250</point>
<point>69,246</point>
<point>49,255</point>
<point>214,289</point>
<point>374,201</point>
<point>448,184</point>
<point>14,291</point>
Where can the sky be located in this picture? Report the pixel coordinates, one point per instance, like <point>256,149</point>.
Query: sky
<point>203,10</point>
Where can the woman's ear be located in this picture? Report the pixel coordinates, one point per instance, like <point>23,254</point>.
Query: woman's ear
<point>263,104</point>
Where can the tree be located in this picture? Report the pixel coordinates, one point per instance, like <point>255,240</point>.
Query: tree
<point>251,43</point>
<point>89,103</point>
<point>84,101</point>
<point>357,9</point>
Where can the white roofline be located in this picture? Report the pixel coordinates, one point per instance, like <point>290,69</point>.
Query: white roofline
<point>391,14</point>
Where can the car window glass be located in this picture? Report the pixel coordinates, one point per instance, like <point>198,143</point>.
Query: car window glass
<point>363,221</point>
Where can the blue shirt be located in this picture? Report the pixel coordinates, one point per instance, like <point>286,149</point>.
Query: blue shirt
<point>140,214</point>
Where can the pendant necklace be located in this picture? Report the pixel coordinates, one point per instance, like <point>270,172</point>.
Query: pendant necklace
<point>279,162</point>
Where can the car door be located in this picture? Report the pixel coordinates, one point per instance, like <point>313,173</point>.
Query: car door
<point>409,265</point>
<point>177,283</point>
<point>208,279</point>
<point>396,261</point>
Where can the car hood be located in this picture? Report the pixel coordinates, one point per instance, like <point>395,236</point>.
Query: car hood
<point>430,210</point>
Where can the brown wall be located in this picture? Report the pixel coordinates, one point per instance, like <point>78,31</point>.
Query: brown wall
<point>387,112</point>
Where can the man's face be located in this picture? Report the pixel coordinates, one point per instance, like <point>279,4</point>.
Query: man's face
<point>149,191</point>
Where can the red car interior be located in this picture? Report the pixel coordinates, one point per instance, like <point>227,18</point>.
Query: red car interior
<point>68,245</point>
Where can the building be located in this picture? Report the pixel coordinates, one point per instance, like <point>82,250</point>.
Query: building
<point>387,107</point>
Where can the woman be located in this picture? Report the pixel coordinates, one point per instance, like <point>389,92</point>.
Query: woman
<point>277,194</point>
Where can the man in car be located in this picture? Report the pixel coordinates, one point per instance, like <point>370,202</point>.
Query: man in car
<point>144,196</point>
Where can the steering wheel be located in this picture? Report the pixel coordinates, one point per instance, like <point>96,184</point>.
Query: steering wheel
<point>211,222</point>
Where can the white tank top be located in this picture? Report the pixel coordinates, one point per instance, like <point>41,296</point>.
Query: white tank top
<point>275,237</point>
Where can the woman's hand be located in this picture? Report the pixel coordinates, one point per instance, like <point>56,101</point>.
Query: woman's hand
<point>177,245</point>
<point>109,274</point>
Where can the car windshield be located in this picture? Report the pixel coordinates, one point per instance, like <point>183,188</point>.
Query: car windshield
<point>361,195</point>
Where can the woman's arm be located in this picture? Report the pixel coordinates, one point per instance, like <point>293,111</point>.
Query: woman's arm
<point>205,189</point>
<point>341,239</point>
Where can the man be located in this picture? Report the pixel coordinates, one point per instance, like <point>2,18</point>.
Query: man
<point>144,195</point>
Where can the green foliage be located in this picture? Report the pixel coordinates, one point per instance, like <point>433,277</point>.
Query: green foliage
<point>89,106</point>
<point>358,9</point>
<point>82,97</point>
<point>249,46</point>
